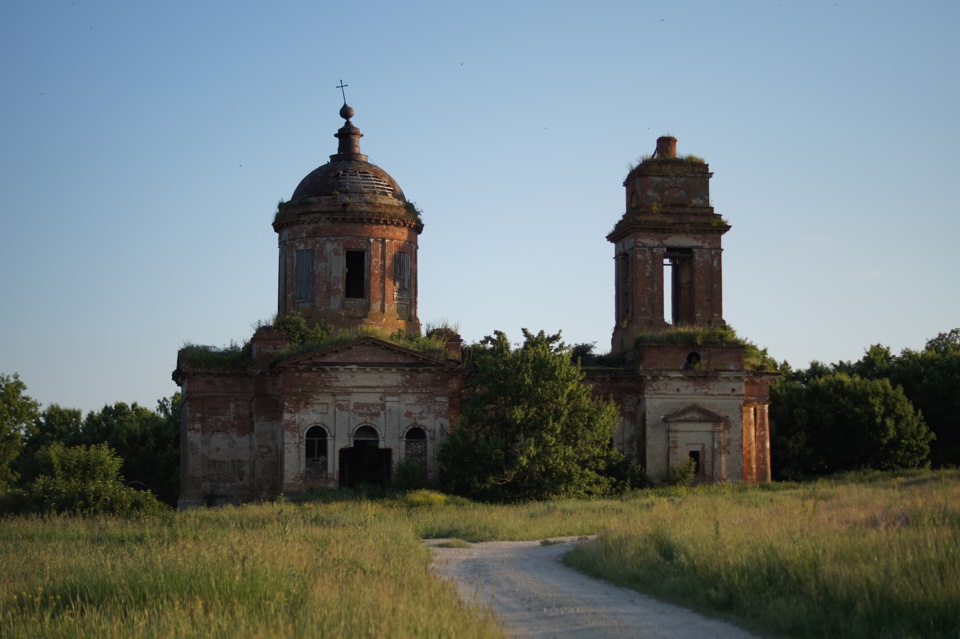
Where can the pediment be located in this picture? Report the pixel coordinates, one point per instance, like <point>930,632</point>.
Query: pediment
<point>694,413</point>
<point>366,352</point>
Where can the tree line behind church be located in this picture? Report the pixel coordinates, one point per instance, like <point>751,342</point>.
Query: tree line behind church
<point>120,460</point>
<point>882,412</point>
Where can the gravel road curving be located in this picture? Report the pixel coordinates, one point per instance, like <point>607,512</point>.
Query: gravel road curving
<point>536,595</point>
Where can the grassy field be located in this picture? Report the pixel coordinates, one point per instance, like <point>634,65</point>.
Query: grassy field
<point>860,558</point>
<point>338,570</point>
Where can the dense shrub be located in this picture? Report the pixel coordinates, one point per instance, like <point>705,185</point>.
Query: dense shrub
<point>682,474</point>
<point>530,428</point>
<point>81,480</point>
<point>409,475</point>
<point>833,422</point>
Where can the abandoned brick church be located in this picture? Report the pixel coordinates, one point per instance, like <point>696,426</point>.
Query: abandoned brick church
<point>281,419</point>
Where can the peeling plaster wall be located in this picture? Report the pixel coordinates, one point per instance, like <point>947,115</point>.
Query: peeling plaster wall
<point>715,407</point>
<point>217,440</point>
<point>668,442</point>
<point>243,431</point>
<point>244,434</point>
<point>343,399</point>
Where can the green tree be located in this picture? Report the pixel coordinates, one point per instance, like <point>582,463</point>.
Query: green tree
<point>931,379</point>
<point>530,428</point>
<point>830,422</point>
<point>53,424</point>
<point>17,412</point>
<point>86,480</point>
<point>147,441</point>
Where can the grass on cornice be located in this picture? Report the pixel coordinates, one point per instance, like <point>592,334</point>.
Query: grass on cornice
<point>754,357</point>
<point>426,345</point>
<point>646,157</point>
<point>233,356</point>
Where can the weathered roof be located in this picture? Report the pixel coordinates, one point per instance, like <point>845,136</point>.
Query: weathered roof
<point>348,172</point>
<point>349,177</point>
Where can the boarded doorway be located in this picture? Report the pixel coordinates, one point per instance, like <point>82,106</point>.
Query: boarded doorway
<point>364,462</point>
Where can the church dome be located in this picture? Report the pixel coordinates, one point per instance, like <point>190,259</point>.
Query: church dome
<point>348,172</point>
<point>348,177</point>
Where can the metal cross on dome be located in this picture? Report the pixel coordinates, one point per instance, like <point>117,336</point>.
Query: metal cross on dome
<point>341,86</point>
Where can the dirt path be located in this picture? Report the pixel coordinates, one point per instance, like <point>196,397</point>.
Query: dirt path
<point>535,595</point>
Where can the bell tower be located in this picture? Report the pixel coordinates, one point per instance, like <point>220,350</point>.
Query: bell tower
<point>667,248</point>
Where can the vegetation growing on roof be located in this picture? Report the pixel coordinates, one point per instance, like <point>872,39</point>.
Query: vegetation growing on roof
<point>719,220</point>
<point>233,356</point>
<point>305,338</point>
<point>583,355</point>
<point>309,339</point>
<point>719,335</point>
<point>414,211</point>
<point>754,357</point>
<point>647,157</point>
<point>758,359</point>
<point>276,214</point>
<point>296,328</point>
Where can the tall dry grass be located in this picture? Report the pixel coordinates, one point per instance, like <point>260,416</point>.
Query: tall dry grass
<point>854,559</point>
<point>340,570</point>
<point>832,559</point>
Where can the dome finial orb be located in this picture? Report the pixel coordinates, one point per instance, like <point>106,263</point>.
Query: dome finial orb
<point>346,112</point>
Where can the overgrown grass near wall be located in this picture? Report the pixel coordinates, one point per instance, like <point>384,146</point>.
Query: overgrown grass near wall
<point>877,558</point>
<point>864,559</point>
<point>538,520</point>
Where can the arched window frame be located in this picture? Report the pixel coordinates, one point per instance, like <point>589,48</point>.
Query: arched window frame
<point>416,446</point>
<point>373,428</point>
<point>316,452</point>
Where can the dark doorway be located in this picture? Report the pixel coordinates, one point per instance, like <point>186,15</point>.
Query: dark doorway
<point>364,462</point>
<point>698,474</point>
<point>695,458</point>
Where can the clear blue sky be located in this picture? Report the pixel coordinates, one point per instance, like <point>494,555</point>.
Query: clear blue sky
<point>144,146</point>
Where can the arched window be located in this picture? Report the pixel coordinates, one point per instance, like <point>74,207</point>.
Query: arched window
<point>366,433</point>
<point>415,447</point>
<point>316,453</point>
